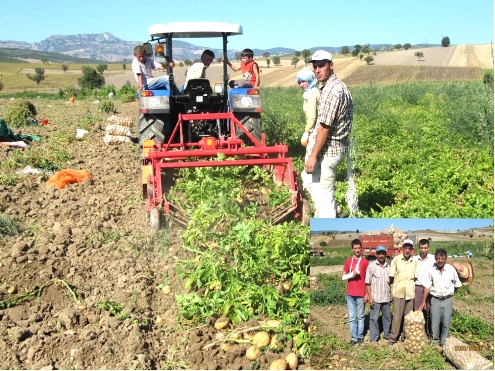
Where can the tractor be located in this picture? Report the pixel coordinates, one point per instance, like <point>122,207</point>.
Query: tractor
<point>192,127</point>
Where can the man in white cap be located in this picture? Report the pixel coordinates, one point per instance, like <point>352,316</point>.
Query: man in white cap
<point>332,130</point>
<point>425,262</point>
<point>402,276</point>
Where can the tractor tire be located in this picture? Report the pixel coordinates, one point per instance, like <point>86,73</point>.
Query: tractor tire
<point>252,122</point>
<point>150,127</point>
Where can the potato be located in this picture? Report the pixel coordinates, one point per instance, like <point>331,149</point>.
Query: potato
<point>222,322</point>
<point>166,289</point>
<point>11,290</point>
<point>252,353</point>
<point>286,285</point>
<point>261,339</point>
<point>278,364</point>
<point>273,323</point>
<point>292,361</point>
<point>226,346</point>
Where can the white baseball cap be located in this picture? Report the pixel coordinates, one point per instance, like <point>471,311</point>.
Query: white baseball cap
<point>408,242</point>
<point>320,55</point>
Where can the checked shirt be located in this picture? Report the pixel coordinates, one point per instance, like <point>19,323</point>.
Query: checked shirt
<point>378,277</point>
<point>335,110</point>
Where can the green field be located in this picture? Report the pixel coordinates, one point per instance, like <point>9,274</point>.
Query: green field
<point>422,149</point>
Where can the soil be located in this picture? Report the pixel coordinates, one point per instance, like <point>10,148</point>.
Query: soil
<point>85,250</point>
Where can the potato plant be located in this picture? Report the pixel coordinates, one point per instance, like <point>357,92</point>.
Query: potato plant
<point>243,267</point>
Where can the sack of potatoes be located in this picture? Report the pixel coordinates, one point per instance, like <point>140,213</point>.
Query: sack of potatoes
<point>464,357</point>
<point>414,327</point>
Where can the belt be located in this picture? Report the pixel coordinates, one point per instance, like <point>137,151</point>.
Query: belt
<point>443,297</point>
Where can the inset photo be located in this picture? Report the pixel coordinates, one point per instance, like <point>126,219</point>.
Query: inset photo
<point>402,293</point>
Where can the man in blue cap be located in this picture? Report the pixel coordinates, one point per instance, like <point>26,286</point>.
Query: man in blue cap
<point>379,295</point>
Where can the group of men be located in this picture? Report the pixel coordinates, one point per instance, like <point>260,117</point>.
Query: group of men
<point>423,282</point>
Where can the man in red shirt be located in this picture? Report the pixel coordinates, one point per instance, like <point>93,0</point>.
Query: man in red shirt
<point>355,272</point>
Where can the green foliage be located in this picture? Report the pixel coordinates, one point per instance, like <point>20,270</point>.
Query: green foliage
<point>332,291</point>
<point>1,85</point>
<point>65,67</point>
<point>242,260</point>
<point>276,60</point>
<point>8,227</point>
<point>91,78</point>
<point>115,309</point>
<point>101,68</point>
<point>294,62</point>
<point>104,91</point>
<point>106,106</point>
<point>369,59</point>
<point>127,93</point>
<point>445,41</point>
<point>470,328</point>
<point>38,76</point>
<point>20,113</point>
<point>487,79</point>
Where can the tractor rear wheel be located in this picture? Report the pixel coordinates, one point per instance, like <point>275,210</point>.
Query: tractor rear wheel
<point>252,122</point>
<point>150,127</point>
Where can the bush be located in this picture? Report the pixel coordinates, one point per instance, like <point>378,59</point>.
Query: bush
<point>20,113</point>
<point>91,78</point>
<point>106,106</point>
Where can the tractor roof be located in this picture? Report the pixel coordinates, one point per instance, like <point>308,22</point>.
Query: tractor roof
<point>194,29</point>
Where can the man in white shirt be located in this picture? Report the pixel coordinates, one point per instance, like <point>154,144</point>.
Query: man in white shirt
<point>425,262</point>
<point>143,68</point>
<point>441,283</point>
<point>198,70</point>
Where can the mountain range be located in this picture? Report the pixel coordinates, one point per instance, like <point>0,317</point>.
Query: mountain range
<point>106,47</point>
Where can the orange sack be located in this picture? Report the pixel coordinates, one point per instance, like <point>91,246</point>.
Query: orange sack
<point>63,177</point>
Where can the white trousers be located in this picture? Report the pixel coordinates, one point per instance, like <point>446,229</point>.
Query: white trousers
<point>321,185</point>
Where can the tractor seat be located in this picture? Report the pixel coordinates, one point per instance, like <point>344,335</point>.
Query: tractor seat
<point>198,86</point>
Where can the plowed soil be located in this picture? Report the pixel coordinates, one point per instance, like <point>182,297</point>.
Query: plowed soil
<point>84,278</point>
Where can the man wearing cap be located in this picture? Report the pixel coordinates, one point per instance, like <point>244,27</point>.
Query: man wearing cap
<point>402,275</point>
<point>379,296</point>
<point>441,283</point>
<point>425,262</point>
<point>332,130</point>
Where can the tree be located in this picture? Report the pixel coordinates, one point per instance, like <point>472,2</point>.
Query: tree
<point>266,54</point>
<point>219,59</point>
<point>187,62</point>
<point>65,67</point>
<point>44,61</point>
<point>361,56</point>
<point>306,53</point>
<point>419,55</point>
<point>38,76</point>
<point>358,48</point>
<point>366,49</point>
<point>407,46</point>
<point>124,66</point>
<point>91,78</point>
<point>238,56</point>
<point>101,68</point>
<point>268,62</point>
<point>294,62</point>
<point>357,230</point>
<point>397,46</point>
<point>355,53</point>
<point>369,59</point>
<point>1,85</point>
<point>323,244</point>
<point>344,50</point>
<point>297,54</point>
<point>445,41</point>
<point>276,60</point>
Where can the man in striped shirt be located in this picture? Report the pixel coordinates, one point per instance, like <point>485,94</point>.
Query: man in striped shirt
<point>379,295</point>
<point>333,127</point>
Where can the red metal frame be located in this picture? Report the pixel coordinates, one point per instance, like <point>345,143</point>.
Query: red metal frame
<point>186,155</point>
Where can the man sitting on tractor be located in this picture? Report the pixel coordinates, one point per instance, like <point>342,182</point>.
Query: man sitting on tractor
<point>198,70</point>
<point>143,67</point>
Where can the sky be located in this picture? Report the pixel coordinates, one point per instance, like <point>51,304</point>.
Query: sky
<point>369,224</point>
<point>295,24</point>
